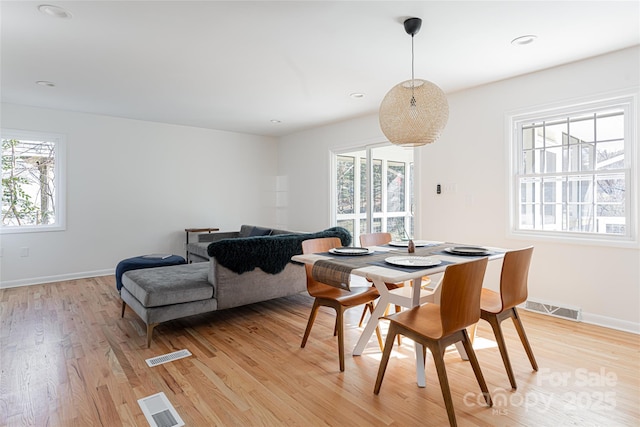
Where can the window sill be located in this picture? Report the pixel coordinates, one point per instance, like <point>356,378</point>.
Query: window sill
<point>581,240</point>
<point>32,229</point>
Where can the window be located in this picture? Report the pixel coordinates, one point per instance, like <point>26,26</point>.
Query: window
<point>386,203</point>
<point>574,170</point>
<point>32,181</point>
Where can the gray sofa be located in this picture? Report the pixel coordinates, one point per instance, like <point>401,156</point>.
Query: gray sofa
<point>239,271</point>
<point>197,251</point>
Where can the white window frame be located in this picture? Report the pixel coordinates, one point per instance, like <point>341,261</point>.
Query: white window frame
<point>59,141</point>
<point>368,148</point>
<point>627,100</point>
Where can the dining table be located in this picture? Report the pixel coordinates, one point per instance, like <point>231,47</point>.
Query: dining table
<point>393,263</point>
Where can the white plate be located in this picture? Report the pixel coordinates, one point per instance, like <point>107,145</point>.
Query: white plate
<point>468,250</point>
<point>405,243</point>
<point>413,261</point>
<point>350,251</point>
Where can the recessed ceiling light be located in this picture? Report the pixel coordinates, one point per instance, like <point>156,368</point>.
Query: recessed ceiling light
<point>356,95</point>
<point>524,40</point>
<point>274,121</point>
<point>55,11</point>
<point>45,83</point>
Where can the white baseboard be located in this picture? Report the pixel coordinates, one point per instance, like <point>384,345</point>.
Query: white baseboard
<point>610,322</point>
<point>51,279</point>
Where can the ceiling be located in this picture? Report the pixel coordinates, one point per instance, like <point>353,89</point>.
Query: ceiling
<point>238,65</point>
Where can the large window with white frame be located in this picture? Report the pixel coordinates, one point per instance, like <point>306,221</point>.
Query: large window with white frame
<point>374,191</point>
<point>574,171</point>
<point>32,181</point>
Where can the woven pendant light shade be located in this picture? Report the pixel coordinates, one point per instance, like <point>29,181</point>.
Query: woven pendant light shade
<point>418,123</point>
<point>414,112</point>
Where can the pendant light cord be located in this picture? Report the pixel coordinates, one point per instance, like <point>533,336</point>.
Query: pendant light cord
<point>413,98</point>
<point>412,59</point>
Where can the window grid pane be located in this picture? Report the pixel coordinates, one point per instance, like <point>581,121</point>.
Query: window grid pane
<point>345,183</point>
<point>572,175</point>
<point>395,186</point>
<point>346,223</point>
<point>377,185</point>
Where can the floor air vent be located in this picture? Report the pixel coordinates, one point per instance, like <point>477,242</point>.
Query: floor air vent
<point>159,411</point>
<point>159,360</point>
<point>570,313</point>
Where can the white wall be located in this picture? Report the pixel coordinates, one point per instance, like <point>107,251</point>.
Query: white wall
<point>603,281</point>
<point>133,187</point>
<point>304,163</point>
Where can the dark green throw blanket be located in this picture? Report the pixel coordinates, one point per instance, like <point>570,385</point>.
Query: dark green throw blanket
<point>270,253</point>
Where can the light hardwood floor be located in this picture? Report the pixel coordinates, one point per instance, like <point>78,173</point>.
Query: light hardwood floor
<point>68,359</point>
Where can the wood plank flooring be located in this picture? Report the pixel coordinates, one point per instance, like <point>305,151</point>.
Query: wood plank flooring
<point>68,359</point>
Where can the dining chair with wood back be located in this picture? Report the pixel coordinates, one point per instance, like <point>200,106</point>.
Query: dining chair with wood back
<point>374,239</point>
<point>436,326</point>
<point>377,239</point>
<point>498,306</point>
<point>330,296</point>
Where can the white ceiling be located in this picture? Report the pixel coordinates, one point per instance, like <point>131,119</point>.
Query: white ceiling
<point>236,65</point>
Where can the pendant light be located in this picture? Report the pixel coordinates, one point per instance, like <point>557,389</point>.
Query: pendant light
<point>415,111</point>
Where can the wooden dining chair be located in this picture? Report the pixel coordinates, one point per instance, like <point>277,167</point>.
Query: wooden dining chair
<point>330,296</point>
<point>496,307</point>
<point>437,326</point>
<point>378,239</point>
<point>374,239</point>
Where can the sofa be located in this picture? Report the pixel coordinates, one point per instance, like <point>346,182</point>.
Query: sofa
<point>197,251</point>
<point>244,267</point>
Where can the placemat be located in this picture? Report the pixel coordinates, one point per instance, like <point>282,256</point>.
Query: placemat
<point>338,275</point>
<point>359,261</point>
<point>329,273</point>
<point>407,269</point>
<point>428,245</point>
<point>489,253</point>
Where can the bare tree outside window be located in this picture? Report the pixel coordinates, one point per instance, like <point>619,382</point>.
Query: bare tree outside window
<point>345,180</point>
<point>28,183</point>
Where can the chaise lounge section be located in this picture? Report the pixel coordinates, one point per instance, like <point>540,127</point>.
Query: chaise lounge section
<point>240,271</point>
